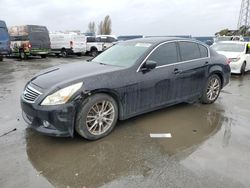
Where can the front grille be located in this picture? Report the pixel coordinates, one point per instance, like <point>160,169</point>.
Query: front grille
<point>30,94</point>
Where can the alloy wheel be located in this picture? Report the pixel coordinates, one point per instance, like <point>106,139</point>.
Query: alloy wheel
<point>213,89</point>
<point>100,117</point>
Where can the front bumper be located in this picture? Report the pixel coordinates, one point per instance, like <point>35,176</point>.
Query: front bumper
<point>50,120</point>
<point>235,67</point>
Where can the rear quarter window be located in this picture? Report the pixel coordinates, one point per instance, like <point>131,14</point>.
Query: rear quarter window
<point>203,51</point>
<point>189,51</point>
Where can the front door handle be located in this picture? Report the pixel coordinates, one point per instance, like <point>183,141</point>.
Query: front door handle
<point>177,71</point>
<point>206,63</point>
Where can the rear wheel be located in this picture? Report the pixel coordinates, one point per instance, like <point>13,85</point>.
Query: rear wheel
<point>212,89</point>
<point>64,53</point>
<point>243,68</point>
<point>94,52</point>
<point>22,55</point>
<point>97,117</point>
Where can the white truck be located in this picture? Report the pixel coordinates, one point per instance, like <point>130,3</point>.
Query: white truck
<point>67,43</point>
<point>99,43</point>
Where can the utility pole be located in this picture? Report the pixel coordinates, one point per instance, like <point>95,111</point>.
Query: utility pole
<point>244,17</point>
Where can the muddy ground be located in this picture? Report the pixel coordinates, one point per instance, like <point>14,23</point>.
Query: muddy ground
<point>210,144</point>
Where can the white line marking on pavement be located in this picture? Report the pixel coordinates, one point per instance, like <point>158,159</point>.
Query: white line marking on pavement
<point>160,135</point>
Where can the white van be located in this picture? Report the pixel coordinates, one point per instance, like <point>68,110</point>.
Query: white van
<point>67,43</point>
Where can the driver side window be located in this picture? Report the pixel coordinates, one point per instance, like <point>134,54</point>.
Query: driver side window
<point>165,54</point>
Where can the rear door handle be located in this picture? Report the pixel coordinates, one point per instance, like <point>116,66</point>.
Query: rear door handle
<point>177,71</point>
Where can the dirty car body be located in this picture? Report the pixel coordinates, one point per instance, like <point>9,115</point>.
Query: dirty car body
<point>135,89</point>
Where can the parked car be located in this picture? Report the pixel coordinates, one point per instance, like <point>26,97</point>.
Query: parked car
<point>228,38</point>
<point>238,54</point>
<point>29,40</point>
<point>207,40</point>
<point>67,43</point>
<point>99,43</point>
<point>128,37</point>
<point>4,40</point>
<point>128,79</point>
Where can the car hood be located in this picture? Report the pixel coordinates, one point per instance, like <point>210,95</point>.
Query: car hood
<point>58,75</point>
<point>230,54</point>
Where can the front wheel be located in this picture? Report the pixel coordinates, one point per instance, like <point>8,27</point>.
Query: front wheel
<point>243,68</point>
<point>97,117</point>
<point>212,89</point>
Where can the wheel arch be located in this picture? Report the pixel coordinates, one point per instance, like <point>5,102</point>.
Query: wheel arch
<point>112,94</point>
<point>218,71</point>
<point>93,48</point>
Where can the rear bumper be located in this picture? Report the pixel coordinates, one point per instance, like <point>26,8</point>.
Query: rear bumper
<point>15,52</point>
<point>50,120</point>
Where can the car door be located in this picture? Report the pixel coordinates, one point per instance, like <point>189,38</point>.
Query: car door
<point>247,56</point>
<point>156,85</point>
<point>190,73</point>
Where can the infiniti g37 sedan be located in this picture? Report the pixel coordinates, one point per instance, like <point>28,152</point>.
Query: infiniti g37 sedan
<point>128,79</point>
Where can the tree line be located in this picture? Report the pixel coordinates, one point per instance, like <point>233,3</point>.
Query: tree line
<point>243,30</point>
<point>104,27</point>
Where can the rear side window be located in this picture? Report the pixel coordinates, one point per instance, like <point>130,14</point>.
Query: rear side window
<point>165,54</point>
<point>189,51</point>
<point>203,51</point>
<point>101,39</point>
<point>91,39</point>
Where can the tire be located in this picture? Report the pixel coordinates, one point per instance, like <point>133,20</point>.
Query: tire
<point>213,85</point>
<point>243,68</point>
<point>43,56</point>
<point>94,52</point>
<point>88,130</point>
<point>1,58</point>
<point>64,53</point>
<point>22,55</point>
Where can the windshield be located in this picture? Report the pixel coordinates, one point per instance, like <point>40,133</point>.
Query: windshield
<point>227,47</point>
<point>124,55</point>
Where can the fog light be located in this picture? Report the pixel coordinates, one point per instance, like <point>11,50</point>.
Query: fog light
<point>46,124</point>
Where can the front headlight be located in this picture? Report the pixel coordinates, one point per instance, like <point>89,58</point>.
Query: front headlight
<point>234,59</point>
<point>61,96</point>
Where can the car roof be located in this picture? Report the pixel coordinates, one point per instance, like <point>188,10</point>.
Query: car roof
<point>158,40</point>
<point>233,42</point>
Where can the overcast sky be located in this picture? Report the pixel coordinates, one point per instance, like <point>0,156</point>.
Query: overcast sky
<point>147,17</point>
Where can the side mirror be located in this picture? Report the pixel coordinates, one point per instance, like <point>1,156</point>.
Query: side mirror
<point>149,65</point>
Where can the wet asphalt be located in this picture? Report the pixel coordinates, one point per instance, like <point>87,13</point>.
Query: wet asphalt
<point>209,147</point>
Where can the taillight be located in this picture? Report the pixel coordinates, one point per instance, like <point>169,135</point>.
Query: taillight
<point>71,44</point>
<point>27,45</point>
